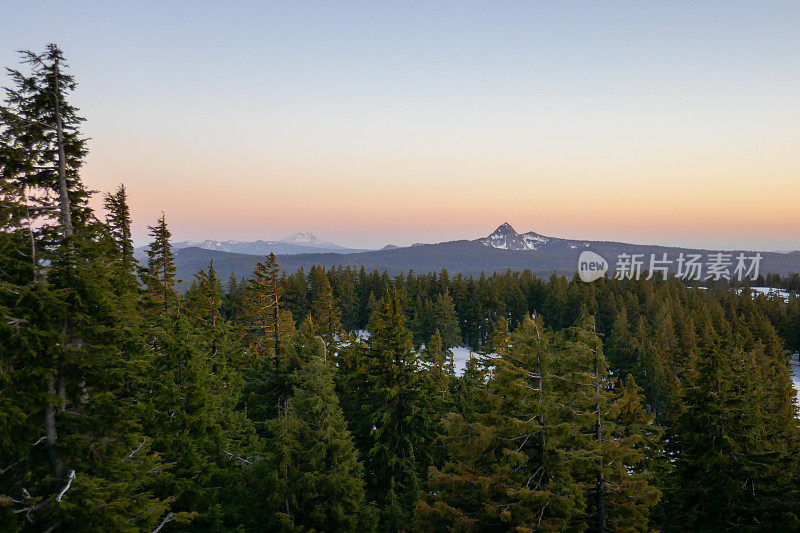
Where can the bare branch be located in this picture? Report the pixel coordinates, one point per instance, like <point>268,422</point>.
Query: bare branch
<point>130,455</point>
<point>167,519</point>
<point>241,460</point>
<point>70,477</point>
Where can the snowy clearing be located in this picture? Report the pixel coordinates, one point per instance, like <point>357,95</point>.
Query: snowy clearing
<point>769,292</point>
<point>461,355</point>
<point>796,376</point>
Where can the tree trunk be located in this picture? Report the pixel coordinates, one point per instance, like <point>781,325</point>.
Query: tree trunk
<point>214,307</point>
<point>66,210</point>
<point>62,394</point>
<point>540,417</point>
<point>164,247</point>
<point>30,231</point>
<point>66,222</point>
<point>50,430</point>
<point>277,334</point>
<point>601,481</point>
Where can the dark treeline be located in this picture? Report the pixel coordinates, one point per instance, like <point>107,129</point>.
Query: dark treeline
<point>466,310</point>
<point>126,406</point>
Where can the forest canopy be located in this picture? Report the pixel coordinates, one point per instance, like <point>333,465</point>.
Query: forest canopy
<point>330,400</point>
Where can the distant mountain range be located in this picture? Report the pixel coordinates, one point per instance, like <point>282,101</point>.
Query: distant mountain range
<point>504,249</point>
<point>299,243</point>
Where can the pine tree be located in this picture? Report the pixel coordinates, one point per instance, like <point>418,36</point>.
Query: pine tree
<point>510,466</point>
<point>325,313</point>
<point>268,331</point>
<point>204,302</point>
<point>122,265</point>
<point>420,321</point>
<point>623,496</point>
<point>160,297</point>
<point>263,310</point>
<point>296,294</point>
<point>439,363</point>
<point>436,388</point>
<point>233,299</point>
<point>195,390</point>
<point>78,455</point>
<point>730,469</point>
<point>118,222</point>
<point>446,320</point>
<point>313,474</point>
<point>549,446</point>
<point>657,359</point>
<point>42,132</point>
<point>631,451</point>
<point>344,290</point>
<point>478,368</point>
<point>390,424</point>
<point>620,345</point>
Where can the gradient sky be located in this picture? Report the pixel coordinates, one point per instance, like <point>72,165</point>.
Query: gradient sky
<point>375,122</point>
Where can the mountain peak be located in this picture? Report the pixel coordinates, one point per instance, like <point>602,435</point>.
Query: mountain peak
<point>505,237</point>
<point>305,238</point>
<point>505,229</point>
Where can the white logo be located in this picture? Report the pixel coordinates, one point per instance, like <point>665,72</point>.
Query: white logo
<point>688,266</point>
<point>591,266</point>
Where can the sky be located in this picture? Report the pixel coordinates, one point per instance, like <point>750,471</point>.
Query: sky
<point>369,123</point>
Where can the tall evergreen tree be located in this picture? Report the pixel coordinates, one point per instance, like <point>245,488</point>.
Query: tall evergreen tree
<point>268,329</point>
<point>263,310</point>
<point>326,314</point>
<point>42,132</point>
<point>344,289</point>
<point>193,396</point>
<point>500,475</point>
<point>159,276</point>
<point>233,299</point>
<point>312,474</point>
<point>295,294</point>
<point>632,454</point>
<point>204,302</point>
<point>118,222</point>
<point>622,496</point>
<point>446,320</point>
<point>78,456</point>
<point>730,472</point>
<point>389,423</point>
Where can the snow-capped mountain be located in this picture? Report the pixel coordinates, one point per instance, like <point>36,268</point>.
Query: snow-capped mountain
<point>505,237</point>
<point>304,238</point>
<point>208,244</point>
<point>299,243</point>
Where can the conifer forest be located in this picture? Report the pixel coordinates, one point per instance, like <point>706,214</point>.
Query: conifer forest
<point>329,399</point>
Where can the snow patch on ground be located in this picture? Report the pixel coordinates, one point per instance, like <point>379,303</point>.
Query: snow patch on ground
<point>796,375</point>
<point>461,355</point>
<point>768,291</point>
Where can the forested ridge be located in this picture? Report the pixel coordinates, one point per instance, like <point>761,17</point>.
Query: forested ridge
<point>328,400</point>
